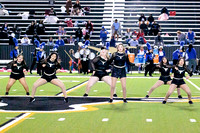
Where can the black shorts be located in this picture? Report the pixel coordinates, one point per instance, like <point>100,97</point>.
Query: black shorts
<point>49,78</point>
<point>118,72</point>
<point>100,75</point>
<point>178,82</point>
<point>17,76</point>
<point>165,79</point>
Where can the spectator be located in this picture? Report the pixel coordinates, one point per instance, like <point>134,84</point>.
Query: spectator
<point>41,28</point>
<point>158,40</point>
<point>155,28</point>
<point>16,31</point>
<point>25,40</point>
<point>140,37</point>
<point>150,19</point>
<point>76,8</point>
<point>161,53</point>
<point>103,35</point>
<point>50,42</point>
<point>144,27</point>
<point>181,37</point>
<point>164,10</point>
<point>116,29</point>
<point>87,36</point>
<point>191,36</point>
<point>52,12</point>
<point>61,31</point>
<point>3,10</point>
<point>5,28</point>
<point>177,54</point>
<point>60,41</point>
<point>14,53</point>
<point>128,35</point>
<point>142,18</point>
<point>13,40</point>
<point>31,29</point>
<point>133,42</point>
<point>112,42</point>
<point>35,37</point>
<point>89,27</point>
<point>70,40</point>
<point>191,52</point>
<point>68,6</point>
<point>79,35</point>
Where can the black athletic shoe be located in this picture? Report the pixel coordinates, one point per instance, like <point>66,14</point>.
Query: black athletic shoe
<point>66,99</point>
<point>114,95</point>
<point>31,72</point>
<point>27,93</point>
<point>110,100</point>
<point>164,102</point>
<point>32,100</point>
<point>147,96</point>
<point>125,101</point>
<point>190,102</point>
<point>85,95</point>
<point>1,100</point>
<point>6,93</point>
<point>180,97</point>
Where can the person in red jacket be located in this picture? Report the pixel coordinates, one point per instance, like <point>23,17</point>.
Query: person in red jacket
<point>89,27</point>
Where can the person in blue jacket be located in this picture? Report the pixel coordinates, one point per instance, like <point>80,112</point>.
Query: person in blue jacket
<point>15,52</point>
<point>192,55</point>
<point>60,41</point>
<point>161,53</point>
<point>149,61</point>
<point>103,35</point>
<point>40,56</point>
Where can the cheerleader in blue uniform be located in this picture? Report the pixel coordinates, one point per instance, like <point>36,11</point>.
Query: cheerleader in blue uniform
<point>179,73</point>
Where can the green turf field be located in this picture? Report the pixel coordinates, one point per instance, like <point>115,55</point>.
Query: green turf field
<point>139,117</point>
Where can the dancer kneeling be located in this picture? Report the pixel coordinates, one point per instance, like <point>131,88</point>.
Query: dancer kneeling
<point>17,73</point>
<point>179,73</point>
<point>51,67</point>
<point>165,78</point>
<point>101,69</point>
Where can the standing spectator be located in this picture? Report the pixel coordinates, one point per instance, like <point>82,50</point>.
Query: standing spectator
<point>164,10</point>
<point>144,27</point>
<point>14,53</point>
<point>35,37</point>
<point>25,40</point>
<point>191,36</point>
<point>116,29</point>
<point>128,35</point>
<point>50,42</point>
<point>31,29</point>
<point>140,37</point>
<point>16,30</point>
<point>68,5</point>
<point>150,19</point>
<point>155,28</point>
<point>79,35</point>
<point>161,53</point>
<point>70,40</point>
<point>142,18</point>
<point>103,35</point>
<point>41,28</point>
<point>76,7</point>
<point>41,55</point>
<point>158,40</point>
<point>89,27</point>
<point>192,56</point>
<point>60,41</point>
<point>181,37</point>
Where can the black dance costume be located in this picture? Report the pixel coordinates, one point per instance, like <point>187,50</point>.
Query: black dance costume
<point>165,73</point>
<point>17,71</point>
<point>179,74</point>
<point>100,65</point>
<point>118,70</point>
<point>50,70</point>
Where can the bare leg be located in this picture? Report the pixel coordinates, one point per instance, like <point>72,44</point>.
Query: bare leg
<point>171,89</point>
<point>113,84</point>
<point>60,84</point>
<point>179,91</point>
<point>11,81</point>
<point>123,83</point>
<point>107,79</point>
<point>23,82</point>
<point>156,85</point>
<point>38,83</point>
<point>90,83</point>
<point>187,90</point>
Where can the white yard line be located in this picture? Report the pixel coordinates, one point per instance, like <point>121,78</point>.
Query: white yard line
<point>194,85</point>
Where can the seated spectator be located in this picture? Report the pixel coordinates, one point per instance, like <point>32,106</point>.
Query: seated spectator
<point>86,10</point>
<point>68,6</point>
<point>61,31</point>
<point>164,14</point>
<point>150,19</point>
<point>192,56</point>
<point>181,37</point>
<point>140,37</point>
<point>116,29</point>
<point>155,28</point>
<point>69,22</point>
<point>191,36</point>
<point>5,28</point>
<point>158,40</point>
<point>70,40</point>
<point>89,27</point>
<point>52,12</point>
<point>35,37</point>
<point>76,8</point>
<point>133,42</point>
<point>142,18</point>
<point>103,35</point>
<point>164,10</point>
<point>79,35</point>
<point>3,10</point>
<point>144,27</point>
<point>134,33</point>
<point>50,42</point>
<point>161,53</point>
<point>25,40</point>
<point>128,35</point>
<point>16,30</point>
<point>60,41</point>
<point>31,29</point>
<point>87,36</point>
<point>40,28</point>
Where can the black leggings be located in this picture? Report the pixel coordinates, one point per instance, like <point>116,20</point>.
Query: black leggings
<point>149,68</point>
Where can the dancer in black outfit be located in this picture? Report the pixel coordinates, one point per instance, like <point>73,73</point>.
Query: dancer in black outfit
<point>119,58</point>
<point>179,73</point>
<point>17,73</point>
<point>51,67</point>
<point>101,69</point>
<point>165,78</point>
